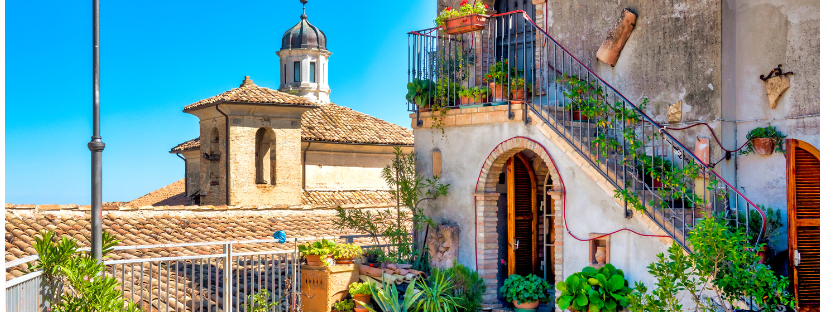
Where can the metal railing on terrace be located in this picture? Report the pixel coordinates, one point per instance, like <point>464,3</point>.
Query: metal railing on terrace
<point>210,281</point>
<point>512,60</point>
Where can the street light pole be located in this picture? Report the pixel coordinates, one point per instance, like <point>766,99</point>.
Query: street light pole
<point>96,145</point>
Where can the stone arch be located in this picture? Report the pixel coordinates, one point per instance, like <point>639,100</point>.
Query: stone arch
<point>486,209</point>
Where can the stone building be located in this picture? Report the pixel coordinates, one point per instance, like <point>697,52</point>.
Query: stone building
<point>277,144</point>
<point>533,172</point>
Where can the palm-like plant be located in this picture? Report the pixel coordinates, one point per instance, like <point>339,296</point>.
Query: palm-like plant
<point>388,297</point>
<point>435,296</point>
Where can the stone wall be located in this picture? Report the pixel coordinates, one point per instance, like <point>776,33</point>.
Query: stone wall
<point>212,188</point>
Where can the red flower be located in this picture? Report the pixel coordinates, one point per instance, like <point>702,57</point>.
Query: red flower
<point>448,9</point>
<point>486,6</point>
<point>463,2</point>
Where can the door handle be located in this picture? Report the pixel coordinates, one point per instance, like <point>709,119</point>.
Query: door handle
<point>516,245</point>
<point>796,258</point>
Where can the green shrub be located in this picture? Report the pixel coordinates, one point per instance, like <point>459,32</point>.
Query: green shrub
<point>347,251</point>
<point>525,289</point>
<point>468,287</point>
<point>359,288</point>
<point>86,289</point>
<point>318,248</point>
<point>604,289</point>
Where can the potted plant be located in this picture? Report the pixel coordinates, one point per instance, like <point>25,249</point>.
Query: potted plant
<point>774,222</point>
<point>420,92</point>
<point>519,88</point>
<point>343,306</point>
<point>764,141</point>
<point>373,256</point>
<point>497,77</point>
<point>361,292</point>
<point>653,168</point>
<point>447,92</point>
<point>345,253</point>
<point>525,292</point>
<point>318,253</point>
<point>604,289</point>
<point>473,95</point>
<point>586,99</point>
<point>388,297</point>
<point>468,18</point>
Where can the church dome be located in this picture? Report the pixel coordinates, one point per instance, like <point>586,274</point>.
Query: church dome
<point>304,36</point>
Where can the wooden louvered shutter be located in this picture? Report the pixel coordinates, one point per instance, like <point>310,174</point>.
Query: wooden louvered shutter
<point>521,216</point>
<point>803,165</point>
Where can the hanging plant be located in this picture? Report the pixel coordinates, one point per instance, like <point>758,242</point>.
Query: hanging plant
<point>468,18</point>
<point>764,141</point>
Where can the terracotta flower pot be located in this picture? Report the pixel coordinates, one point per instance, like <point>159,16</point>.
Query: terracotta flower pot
<point>519,94</point>
<point>526,305</point>
<point>465,24</point>
<point>763,253</point>
<point>763,146</point>
<point>466,100</point>
<point>362,298</point>
<point>576,115</point>
<point>344,261</point>
<point>360,309</point>
<point>497,91</point>
<point>315,259</point>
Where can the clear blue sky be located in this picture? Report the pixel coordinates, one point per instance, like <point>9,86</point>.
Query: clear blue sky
<point>158,56</point>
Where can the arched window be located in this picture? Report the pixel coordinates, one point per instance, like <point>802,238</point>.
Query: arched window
<point>265,156</point>
<point>212,157</point>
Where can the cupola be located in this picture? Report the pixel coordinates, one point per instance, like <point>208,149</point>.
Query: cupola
<point>303,61</point>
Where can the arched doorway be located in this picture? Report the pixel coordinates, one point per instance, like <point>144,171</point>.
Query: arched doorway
<point>516,200</point>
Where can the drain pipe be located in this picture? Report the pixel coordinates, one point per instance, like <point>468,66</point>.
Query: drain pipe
<point>185,176</point>
<point>304,160</point>
<point>227,157</point>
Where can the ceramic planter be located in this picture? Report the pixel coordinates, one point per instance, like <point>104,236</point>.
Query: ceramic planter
<point>576,115</point>
<point>763,253</point>
<point>365,299</point>
<point>526,305</point>
<point>315,259</point>
<point>497,90</point>
<point>465,24</point>
<point>467,100</point>
<point>519,94</point>
<point>360,309</point>
<point>344,261</point>
<point>763,146</point>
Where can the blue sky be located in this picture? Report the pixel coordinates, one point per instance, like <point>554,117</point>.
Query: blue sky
<point>158,56</point>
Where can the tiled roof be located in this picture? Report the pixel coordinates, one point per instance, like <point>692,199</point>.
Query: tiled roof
<point>189,145</point>
<point>170,195</point>
<point>334,123</point>
<point>332,199</point>
<point>249,92</point>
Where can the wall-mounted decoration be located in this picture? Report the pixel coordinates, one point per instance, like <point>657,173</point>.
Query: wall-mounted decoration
<point>776,83</point>
<point>610,50</point>
<point>436,163</point>
<point>599,250</point>
<point>674,114</point>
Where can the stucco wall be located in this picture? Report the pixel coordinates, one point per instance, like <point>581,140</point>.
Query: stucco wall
<point>192,172</point>
<point>588,208</point>
<point>768,33</point>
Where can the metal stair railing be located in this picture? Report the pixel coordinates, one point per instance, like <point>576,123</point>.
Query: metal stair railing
<point>653,171</point>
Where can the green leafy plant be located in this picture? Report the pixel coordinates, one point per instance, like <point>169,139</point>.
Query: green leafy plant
<point>720,263</point>
<point>767,132</point>
<point>388,298</point>
<point>584,96</point>
<point>603,289</point>
<point>468,287</point>
<point>774,221</point>
<point>75,279</point>
<point>260,302</point>
<point>499,72</point>
<point>347,251</point>
<point>344,305</point>
<point>318,248</point>
<point>359,288</point>
<point>420,92</point>
<point>411,189</point>
<point>525,289</point>
<point>478,94</point>
<point>446,92</point>
<point>436,295</point>
<point>466,9</point>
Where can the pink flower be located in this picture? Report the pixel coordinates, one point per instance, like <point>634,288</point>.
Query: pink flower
<point>503,262</point>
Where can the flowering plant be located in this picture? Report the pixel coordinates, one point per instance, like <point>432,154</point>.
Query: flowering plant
<point>466,9</point>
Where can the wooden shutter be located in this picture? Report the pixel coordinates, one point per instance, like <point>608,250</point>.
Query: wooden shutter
<point>521,216</point>
<point>803,165</point>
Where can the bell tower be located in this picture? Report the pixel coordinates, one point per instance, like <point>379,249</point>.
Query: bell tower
<point>303,61</point>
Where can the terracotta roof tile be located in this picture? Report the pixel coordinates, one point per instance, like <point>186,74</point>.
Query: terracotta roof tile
<point>249,92</point>
<point>170,195</point>
<point>343,198</point>
<point>189,145</point>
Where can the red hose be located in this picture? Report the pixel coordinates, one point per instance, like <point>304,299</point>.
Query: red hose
<point>713,135</point>
<point>563,202</point>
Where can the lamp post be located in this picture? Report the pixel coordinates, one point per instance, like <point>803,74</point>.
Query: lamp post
<point>96,145</point>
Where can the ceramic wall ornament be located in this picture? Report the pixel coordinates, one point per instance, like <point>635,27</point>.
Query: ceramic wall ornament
<point>674,114</point>
<point>610,50</point>
<point>776,83</point>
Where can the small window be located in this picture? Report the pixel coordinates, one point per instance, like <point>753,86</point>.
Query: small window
<point>284,72</point>
<point>313,72</point>
<point>296,72</point>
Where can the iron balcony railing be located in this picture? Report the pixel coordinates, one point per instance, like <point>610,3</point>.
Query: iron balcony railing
<point>217,278</point>
<point>512,60</point>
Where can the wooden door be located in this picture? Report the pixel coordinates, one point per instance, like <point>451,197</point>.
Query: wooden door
<point>521,216</point>
<point>803,165</point>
